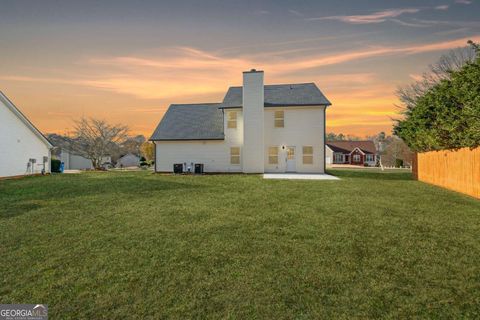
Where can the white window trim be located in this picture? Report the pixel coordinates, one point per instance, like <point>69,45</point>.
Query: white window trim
<point>308,155</point>
<point>278,155</point>
<point>338,154</point>
<point>231,120</point>
<point>357,148</point>
<point>275,119</point>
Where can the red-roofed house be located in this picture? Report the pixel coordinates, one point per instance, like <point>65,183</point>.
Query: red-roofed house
<point>351,152</point>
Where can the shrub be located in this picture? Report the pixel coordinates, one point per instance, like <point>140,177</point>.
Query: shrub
<point>447,114</point>
<point>55,165</point>
<point>398,163</point>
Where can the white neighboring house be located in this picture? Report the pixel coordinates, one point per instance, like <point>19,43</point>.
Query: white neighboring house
<point>72,161</point>
<point>257,128</point>
<point>128,160</point>
<point>25,150</point>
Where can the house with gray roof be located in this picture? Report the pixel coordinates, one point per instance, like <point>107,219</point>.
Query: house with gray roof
<point>257,128</point>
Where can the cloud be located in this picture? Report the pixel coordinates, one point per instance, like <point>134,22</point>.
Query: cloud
<point>182,74</point>
<point>463,1</point>
<point>376,17</point>
<point>261,12</point>
<point>295,13</point>
<point>442,7</point>
<point>410,24</point>
<point>416,77</point>
<point>465,24</point>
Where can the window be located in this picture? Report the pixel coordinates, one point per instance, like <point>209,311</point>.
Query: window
<point>338,158</point>
<point>370,157</point>
<point>232,119</point>
<point>235,155</point>
<point>273,155</point>
<point>279,119</point>
<point>356,158</point>
<point>307,155</point>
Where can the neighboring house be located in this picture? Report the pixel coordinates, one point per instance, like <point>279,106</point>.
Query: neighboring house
<point>25,150</point>
<point>72,161</point>
<point>128,160</point>
<point>256,129</point>
<point>351,152</point>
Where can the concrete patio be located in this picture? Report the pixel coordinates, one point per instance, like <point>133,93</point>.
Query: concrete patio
<point>299,176</point>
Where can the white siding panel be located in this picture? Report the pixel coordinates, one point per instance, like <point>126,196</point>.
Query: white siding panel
<point>19,144</point>
<point>328,155</point>
<point>303,126</point>
<point>215,155</point>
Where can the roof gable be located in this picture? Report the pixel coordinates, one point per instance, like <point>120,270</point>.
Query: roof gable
<point>300,94</point>
<point>9,104</point>
<point>191,122</point>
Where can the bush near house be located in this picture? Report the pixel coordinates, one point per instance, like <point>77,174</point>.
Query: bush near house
<point>55,165</point>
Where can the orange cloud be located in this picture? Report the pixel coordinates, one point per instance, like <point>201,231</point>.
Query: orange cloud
<point>130,86</point>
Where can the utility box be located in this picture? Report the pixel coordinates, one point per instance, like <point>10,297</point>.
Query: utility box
<point>198,168</point>
<point>178,168</point>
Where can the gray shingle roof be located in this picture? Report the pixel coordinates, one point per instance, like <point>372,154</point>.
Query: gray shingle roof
<point>301,94</point>
<point>191,122</point>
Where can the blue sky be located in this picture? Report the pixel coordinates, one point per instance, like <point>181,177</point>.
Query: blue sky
<point>126,61</point>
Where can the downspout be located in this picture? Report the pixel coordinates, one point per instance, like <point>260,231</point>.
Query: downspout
<point>155,156</point>
<point>324,139</point>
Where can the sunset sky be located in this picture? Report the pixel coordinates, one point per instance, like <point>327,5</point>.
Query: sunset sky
<point>126,61</point>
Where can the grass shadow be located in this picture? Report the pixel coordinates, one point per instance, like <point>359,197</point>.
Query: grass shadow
<point>24,196</point>
<point>372,175</point>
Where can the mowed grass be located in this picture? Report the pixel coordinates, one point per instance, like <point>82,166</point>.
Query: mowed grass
<point>138,245</point>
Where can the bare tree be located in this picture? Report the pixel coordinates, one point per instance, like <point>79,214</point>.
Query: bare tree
<point>395,150</point>
<point>442,69</point>
<point>95,139</point>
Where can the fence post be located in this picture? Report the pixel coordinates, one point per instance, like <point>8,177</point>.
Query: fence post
<point>415,166</point>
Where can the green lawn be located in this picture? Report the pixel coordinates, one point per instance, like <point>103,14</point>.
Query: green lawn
<point>137,245</point>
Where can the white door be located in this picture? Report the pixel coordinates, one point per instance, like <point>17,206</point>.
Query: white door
<point>291,163</point>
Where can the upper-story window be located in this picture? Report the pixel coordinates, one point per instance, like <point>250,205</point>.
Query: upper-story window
<point>279,119</point>
<point>232,119</point>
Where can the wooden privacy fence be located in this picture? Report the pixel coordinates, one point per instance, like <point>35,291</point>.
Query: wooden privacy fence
<point>458,170</point>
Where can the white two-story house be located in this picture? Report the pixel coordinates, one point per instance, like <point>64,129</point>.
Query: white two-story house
<point>257,128</point>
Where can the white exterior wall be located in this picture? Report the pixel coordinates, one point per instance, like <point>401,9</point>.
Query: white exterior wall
<point>303,126</point>
<point>19,144</point>
<point>214,154</point>
<point>129,160</point>
<point>328,155</point>
<point>75,162</point>
<point>253,114</point>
